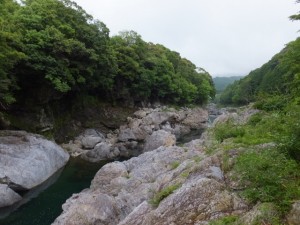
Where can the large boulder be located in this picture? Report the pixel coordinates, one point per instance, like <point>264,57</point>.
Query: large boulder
<point>90,138</point>
<point>102,151</point>
<point>159,138</point>
<point>126,134</point>
<point>8,196</point>
<point>157,118</point>
<point>27,160</point>
<point>197,118</point>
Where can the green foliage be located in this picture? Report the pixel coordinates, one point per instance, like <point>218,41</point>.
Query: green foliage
<point>52,49</point>
<point>272,85</point>
<point>174,165</point>
<point>269,215</point>
<point>268,176</point>
<point>227,220</point>
<point>64,46</point>
<point>165,192</point>
<point>290,138</point>
<point>271,102</point>
<point>197,159</point>
<point>228,130</point>
<point>149,72</point>
<point>9,51</point>
<point>296,16</point>
<point>222,82</point>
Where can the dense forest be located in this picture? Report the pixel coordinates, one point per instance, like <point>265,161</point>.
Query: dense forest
<point>274,88</point>
<point>275,84</point>
<point>222,82</point>
<point>52,50</point>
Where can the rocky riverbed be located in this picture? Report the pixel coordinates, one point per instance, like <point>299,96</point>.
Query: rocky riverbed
<point>167,184</point>
<point>162,182</point>
<point>146,130</point>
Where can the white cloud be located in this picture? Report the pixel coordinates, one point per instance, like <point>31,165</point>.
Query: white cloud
<point>222,36</point>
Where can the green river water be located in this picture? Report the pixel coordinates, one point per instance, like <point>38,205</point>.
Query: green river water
<point>47,205</point>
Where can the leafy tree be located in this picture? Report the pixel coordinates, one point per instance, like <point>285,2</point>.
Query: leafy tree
<point>66,49</point>
<point>296,16</point>
<point>9,51</point>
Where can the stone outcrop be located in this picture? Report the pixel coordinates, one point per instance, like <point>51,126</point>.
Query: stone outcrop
<point>139,134</point>
<point>159,138</point>
<point>169,184</point>
<point>8,196</point>
<point>90,138</point>
<point>26,161</point>
<point>122,192</point>
<point>293,217</point>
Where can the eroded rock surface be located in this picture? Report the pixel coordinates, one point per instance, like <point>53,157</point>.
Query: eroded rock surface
<point>293,217</point>
<point>27,160</point>
<point>194,186</point>
<point>121,192</point>
<point>8,196</point>
<point>139,134</point>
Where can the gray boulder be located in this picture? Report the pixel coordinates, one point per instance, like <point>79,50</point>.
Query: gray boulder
<point>157,118</point>
<point>8,196</point>
<point>90,138</point>
<point>159,138</point>
<point>102,151</point>
<point>126,134</point>
<point>27,160</point>
<point>197,118</point>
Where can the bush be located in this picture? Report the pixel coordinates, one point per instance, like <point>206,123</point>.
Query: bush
<point>228,130</point>
<point>290,139</point>
<point>271,102</point>
<point>268,176</point>
<point>255,119</point>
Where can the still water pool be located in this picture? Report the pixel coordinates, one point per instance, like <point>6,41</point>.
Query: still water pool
<point>46,206</point>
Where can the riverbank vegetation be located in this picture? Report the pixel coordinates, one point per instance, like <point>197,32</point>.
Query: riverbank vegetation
<point>53,50</point>
<point>267,146</point>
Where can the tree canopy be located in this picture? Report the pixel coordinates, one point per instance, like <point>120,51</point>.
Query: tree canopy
<point>279,76</point>
<point>50,49</point>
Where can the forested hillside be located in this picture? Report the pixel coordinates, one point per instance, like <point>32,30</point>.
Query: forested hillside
<point>52,50</point>
<point>222,82</point>
<point>277,81</point>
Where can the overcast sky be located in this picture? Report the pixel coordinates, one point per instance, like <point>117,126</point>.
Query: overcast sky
<point>225,37</point>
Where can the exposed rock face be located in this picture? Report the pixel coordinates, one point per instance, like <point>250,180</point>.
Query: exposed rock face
<point>262,213</point>
<point>159,138</point>
<point>90,138</point>
<point>139,134</point>
<point>196,118</point>
<point>121,191</point>
<point>194,187</point>
<point>8,196</point>
<point>27,160</point>
<point>240,117</point>
<point>293,217</point>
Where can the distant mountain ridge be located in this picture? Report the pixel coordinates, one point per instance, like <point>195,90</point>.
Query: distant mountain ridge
<point>222,82</point>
